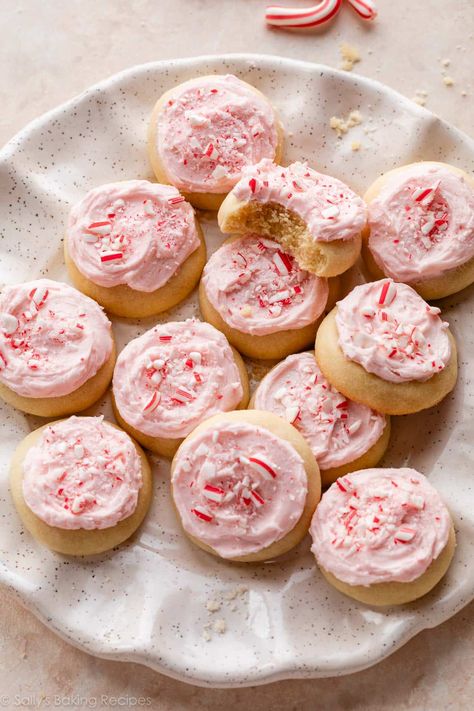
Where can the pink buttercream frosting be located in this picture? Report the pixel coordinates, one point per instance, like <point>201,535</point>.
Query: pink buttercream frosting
<point>391,331</point>
<point>379,526</point>
<point>135,233</point>
<point>422,223</point>
<point>258,289</point>
<point>338,430</point>
<point>174,376</point>
<point>52,338</point>
<point>82,473</point>
<point>330,208</point>
<point>211,128</point>
<point>238,488</point>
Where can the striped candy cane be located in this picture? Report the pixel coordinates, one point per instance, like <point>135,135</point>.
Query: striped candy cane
<point>288,17</point>
<point>305,17</point>
<point>365,8</point>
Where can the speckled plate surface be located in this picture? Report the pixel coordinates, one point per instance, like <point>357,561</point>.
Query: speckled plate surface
<point>158,600</point>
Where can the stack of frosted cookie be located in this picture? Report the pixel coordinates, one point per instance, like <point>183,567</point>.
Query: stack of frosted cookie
<point>247,470</point>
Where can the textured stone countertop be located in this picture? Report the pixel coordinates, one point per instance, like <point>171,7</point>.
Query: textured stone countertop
<point>51,51</point>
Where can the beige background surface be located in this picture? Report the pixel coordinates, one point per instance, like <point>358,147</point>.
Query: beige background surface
<point>52,50</point>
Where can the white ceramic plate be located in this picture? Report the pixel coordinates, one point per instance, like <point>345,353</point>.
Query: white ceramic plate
<point>148,600</point>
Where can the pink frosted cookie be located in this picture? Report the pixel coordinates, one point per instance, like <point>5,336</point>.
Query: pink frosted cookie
<point>80,485</point>
<point>135,247</point>
<point>173,377</point>
<point>56,348</point>
<point>315,217</point>
<point>245,485</point>
<point>385,347</point>
<point>343,435</point>
<point>257,295</point>
<point>383,536</point>
<point>421,228</point>
<point>205,131</point>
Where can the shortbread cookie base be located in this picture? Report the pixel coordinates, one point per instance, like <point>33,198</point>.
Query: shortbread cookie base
<point>382,594</point>
<point>78,541</point>
<point>354,382</point>
<point>277,426</point>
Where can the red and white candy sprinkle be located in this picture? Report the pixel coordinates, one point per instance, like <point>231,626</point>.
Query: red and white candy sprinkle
<point>261,466</point>
<point>387,294</point>
<point>213,493</point>
<point>405,534</point>
<point>282,262</point>
<point>425,196</point>
<point>202,513</point>
<point>110,256</point>
<point>100,228</point>
<point>152,403</point>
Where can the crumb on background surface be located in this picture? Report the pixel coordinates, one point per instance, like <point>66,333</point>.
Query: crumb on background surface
<point>350,55</point>
<point>341,125</point>
<point>448,81</point>
<point>219,626</point>
<point>213,605</point>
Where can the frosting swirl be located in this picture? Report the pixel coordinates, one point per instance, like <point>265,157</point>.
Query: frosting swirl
<point>331,210</point>
<point>422,223</point>
<point>338,430</point>
<point>52,338</point>
<point>135,233</point>
<point>379,525</point>
<point>82,473</point>
<point>210,128</point>
<point>392,332</point>
<point>174,376</point>
<point>238,488</point>
<point>259,289</point>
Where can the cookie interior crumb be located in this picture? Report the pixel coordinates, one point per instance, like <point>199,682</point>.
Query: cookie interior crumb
<point>448,81</point>
<point>282,225</point>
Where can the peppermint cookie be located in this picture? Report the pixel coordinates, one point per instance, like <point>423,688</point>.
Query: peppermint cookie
<point>316,218</point>
<point>260,298</point>
<point>57,353</point>
<point>205,131</point>
<point>135,247</point>
<point>245,485</point>
<point>383,536</point>
<point>172,378</point>
<point>421,228</point>
<point>385,347</point>
<point>81,485</point>
<point>343,435</point>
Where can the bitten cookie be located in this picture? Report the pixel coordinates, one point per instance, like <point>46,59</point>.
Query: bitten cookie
<point>245,485</point>
<point>172,378</point>
<point>383,536</point>
<point>205,131</point>
<point>421,228</point>
<point>343,435</point>
<point>385,347</point>
<point>316,218</point>
<point>57,353</point>
<point>135,247</point>
<point>81,486</point>
<point>258,296</point>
